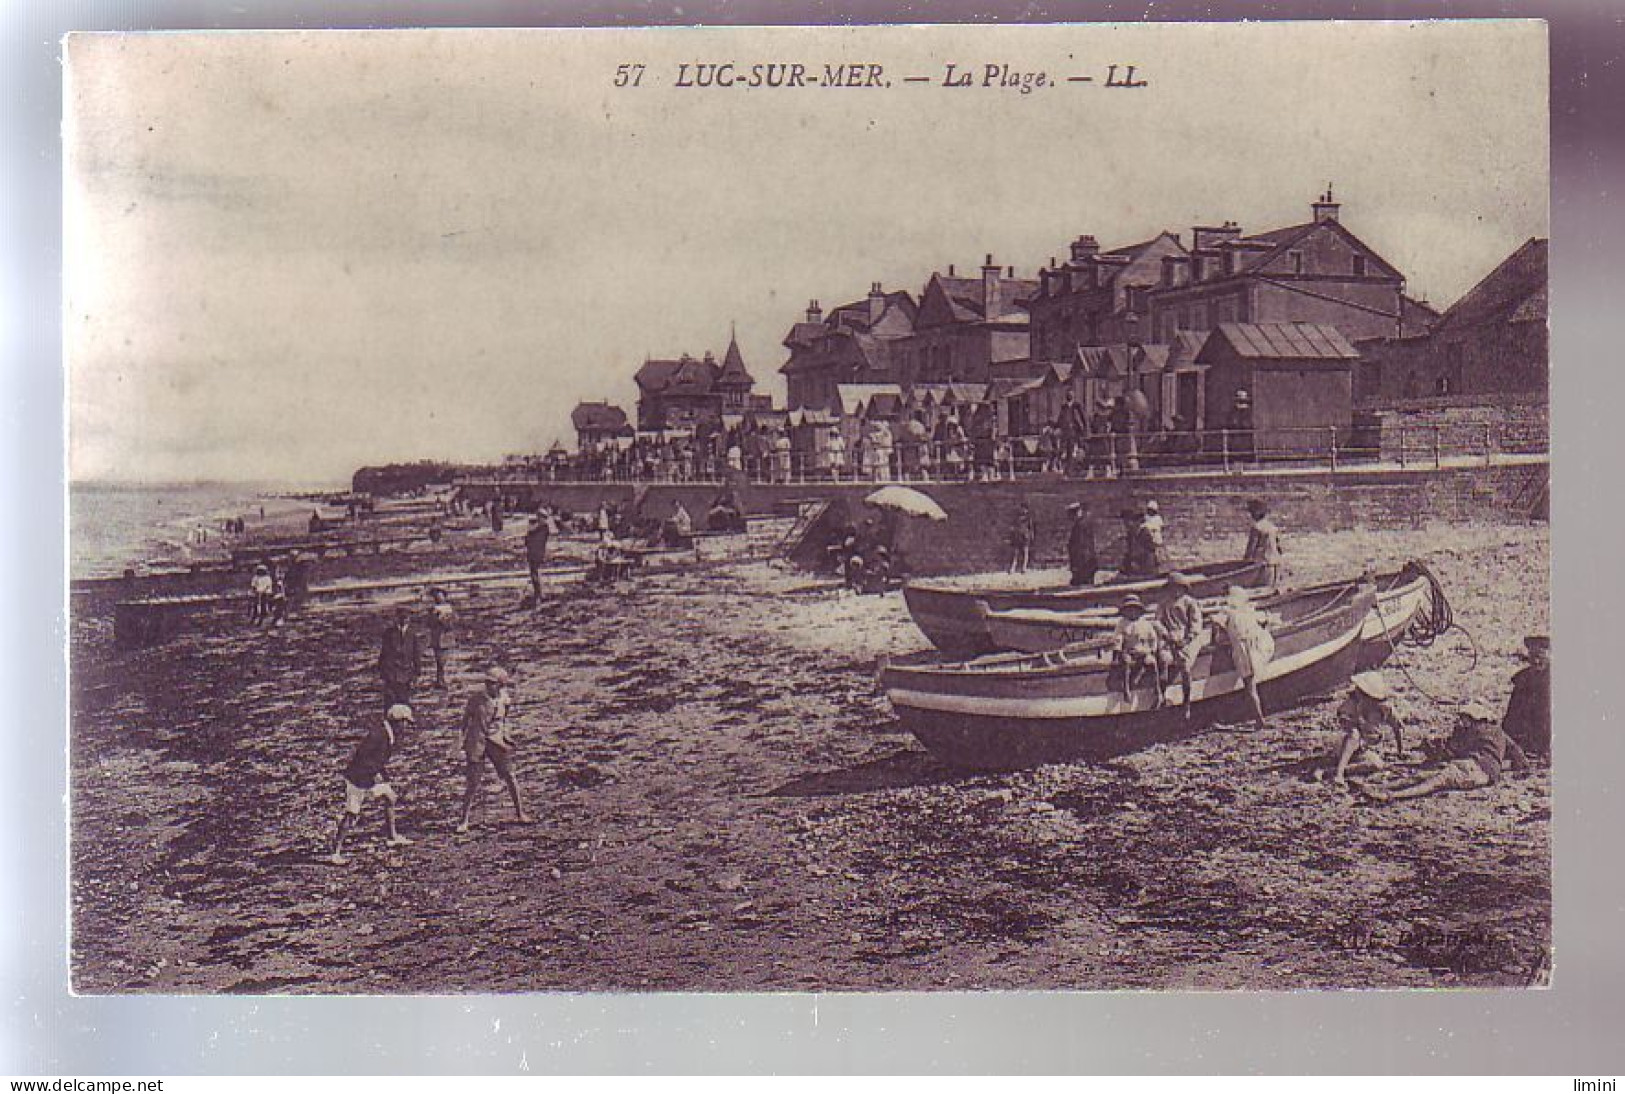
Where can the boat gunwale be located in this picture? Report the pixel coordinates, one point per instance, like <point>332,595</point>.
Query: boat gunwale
<point>1335,645</point>
<point>947,586</point>
<point>1043,667</point>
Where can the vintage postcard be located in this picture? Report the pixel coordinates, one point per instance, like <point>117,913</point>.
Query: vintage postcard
<point>803,509</point>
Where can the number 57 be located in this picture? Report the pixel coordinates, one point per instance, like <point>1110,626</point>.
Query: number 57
<point>629,75</point>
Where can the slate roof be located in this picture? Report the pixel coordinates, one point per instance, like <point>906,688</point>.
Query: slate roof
<point>969,305</point>
<point>1513,292</point>
<point>1113,360</point>
<point>856,314</point>
<point>655,375</point>
<point>733,366</point>
<point>597,416</point>
<point>804,334</point>
<point>1282,341</point>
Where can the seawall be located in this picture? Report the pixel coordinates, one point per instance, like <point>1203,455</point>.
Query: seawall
<point>1200,508</point>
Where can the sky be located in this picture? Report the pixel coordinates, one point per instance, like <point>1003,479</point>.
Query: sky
<point>289,255</point>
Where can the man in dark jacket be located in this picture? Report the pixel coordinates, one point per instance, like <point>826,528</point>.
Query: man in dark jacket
<point>1528,718</point>
<point>1080,545</point>
<point>398,658</point>
<point>536,537</point>
<point>365,778</point>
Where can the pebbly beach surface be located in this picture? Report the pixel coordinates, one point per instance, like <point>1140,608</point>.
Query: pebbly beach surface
<point>725,803</point>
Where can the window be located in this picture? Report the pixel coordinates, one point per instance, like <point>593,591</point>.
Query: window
<point>1359,265</point>
<point>1297,261</point>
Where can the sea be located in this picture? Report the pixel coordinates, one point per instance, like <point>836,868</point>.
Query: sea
<point>114,526</point>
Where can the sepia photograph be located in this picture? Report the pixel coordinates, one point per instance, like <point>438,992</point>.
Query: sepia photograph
<point>809,509</point>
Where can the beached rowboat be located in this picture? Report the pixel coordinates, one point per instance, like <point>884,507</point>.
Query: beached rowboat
<point>1009,711</point>
<point>1400,596</point>
<point>951,610</point>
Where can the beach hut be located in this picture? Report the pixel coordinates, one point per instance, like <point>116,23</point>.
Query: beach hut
<point>1298,378</point>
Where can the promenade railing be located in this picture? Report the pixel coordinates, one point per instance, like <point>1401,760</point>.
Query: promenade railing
<point>1102,456</point>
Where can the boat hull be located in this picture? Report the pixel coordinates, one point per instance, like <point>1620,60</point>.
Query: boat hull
<point>1016,718</point>
<point>954,616</point>
<point>1391,617</point>
<point>1400,597</point>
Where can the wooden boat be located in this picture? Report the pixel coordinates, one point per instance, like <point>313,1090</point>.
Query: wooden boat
<point>1010,711</point>
<point>1400,597</point>
<point>951,611</point>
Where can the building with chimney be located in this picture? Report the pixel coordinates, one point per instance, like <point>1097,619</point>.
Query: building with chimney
<point>686,392</point>
<point>969,329</point>
<point>1314,272</point>
<point>1085,301</point>
<point>853,344</point>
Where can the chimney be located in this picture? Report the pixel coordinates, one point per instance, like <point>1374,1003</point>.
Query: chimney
<point>1083,247</point>
<point>1325,209</point>
<point>877,302</point>
<point>992,300</point>
<point>950,269</point>
<point>1206,238</point>
<point>815,314</point>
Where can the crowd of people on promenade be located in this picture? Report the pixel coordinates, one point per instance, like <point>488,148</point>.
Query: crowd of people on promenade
<point>973,442</point>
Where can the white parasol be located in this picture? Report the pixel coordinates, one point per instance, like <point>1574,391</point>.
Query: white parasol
<point>906,500</point>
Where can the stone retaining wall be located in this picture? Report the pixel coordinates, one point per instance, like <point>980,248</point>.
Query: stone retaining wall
<point>1202,510</point>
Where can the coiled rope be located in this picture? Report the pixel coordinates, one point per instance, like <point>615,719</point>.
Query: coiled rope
<point>1433,621</point>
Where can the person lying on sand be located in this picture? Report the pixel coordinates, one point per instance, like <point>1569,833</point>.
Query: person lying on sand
<point>485,737</point>
<point>364,778</point>
<point>1363,716</point>
<point>1474,757</point>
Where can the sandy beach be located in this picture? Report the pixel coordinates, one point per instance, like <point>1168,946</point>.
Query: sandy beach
<point>724,803</point>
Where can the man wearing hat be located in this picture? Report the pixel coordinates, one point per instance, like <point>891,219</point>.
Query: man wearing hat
<point>1363,716</point>
<point>1528,718</point>
<point>1081,555</point>
<point>1182,631</point>
<point>1475,756</point>
<point>365,779</point>
<point>1134,647</point>
<point>485,737</point>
